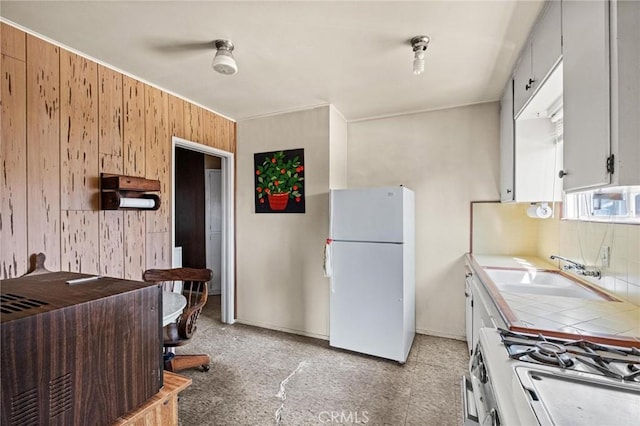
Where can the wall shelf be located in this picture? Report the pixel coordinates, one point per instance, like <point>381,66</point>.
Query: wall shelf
<point>119,192</point>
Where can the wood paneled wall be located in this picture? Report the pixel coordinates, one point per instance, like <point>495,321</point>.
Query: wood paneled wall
<point>13,213</point>
<point>66,119</point>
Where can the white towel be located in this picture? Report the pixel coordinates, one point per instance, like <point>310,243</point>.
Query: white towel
<point>327,267</point>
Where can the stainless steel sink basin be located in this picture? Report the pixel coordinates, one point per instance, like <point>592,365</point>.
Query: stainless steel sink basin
<point>539,282</point>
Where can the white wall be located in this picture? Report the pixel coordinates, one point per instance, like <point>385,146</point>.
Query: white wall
<point>449,158</point>
<point>280,283</point>
<point>337,150</point>
<point>504,229</point>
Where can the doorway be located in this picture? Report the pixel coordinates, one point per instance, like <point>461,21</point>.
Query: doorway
<point>213,221</point>
<point>210,202</point>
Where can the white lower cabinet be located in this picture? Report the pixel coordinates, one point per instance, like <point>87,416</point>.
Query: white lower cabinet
<point>481,311</point>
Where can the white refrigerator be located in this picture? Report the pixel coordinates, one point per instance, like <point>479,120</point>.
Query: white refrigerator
<point>372,302</point>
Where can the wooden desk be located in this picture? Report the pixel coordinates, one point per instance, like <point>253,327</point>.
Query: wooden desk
<point>74,352</point>
<point>162,408</point>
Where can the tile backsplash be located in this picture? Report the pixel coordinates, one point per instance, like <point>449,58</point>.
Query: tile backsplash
<point>584,242</point>
<point>579,241</point>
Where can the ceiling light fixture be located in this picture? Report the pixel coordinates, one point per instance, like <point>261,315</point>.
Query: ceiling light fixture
<point>419,44</point>
<point>223,62</point>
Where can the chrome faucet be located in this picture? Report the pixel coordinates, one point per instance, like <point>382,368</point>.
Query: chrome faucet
<point>579,268</point>
<point>576,265</point>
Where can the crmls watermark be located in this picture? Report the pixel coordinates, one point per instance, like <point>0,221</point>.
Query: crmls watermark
<point>344,417</point>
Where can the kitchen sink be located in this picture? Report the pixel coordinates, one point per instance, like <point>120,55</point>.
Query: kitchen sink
<point>539,282</point>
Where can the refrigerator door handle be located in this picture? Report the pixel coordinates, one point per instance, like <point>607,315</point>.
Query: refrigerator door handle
<point>328,260</point>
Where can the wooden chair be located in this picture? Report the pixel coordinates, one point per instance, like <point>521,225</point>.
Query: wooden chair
<point>193,285</point>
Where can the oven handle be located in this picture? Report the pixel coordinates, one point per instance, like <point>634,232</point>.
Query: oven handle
<point>468,418</point>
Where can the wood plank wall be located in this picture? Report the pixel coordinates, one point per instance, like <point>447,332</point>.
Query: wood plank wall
<point>66,119</point>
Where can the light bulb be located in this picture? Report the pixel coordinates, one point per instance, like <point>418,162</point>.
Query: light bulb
<point>418,62</point>
<point>223,62</point>
<point>419,45</point>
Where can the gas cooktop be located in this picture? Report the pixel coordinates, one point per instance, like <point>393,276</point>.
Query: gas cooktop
<point>531,379</point>
<point>578,355</point>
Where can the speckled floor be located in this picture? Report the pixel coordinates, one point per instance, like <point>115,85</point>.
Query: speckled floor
<point>329,386</point>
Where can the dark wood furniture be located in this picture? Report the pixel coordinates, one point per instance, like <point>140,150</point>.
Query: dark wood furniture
<point>73,354</point>
<point>193,285</point>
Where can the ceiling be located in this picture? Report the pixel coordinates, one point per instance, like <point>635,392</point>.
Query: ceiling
<point>293,55</point>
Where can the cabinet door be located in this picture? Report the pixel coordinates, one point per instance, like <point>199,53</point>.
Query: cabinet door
<point>506,145</point>
<point>522,86</point>
<point>547,43</point>
<point>585,51</point>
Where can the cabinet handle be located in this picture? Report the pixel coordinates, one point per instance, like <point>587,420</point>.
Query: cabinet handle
<point>468,275</point>
<point>530,85</point>
<point>508,191</point>
<point>562,174</point>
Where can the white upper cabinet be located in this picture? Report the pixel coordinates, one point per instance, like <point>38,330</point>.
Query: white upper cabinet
<point>592,111</point>
<point>531,144</point>
<point>585,30</point>
<point>522,80</point>
<point>538,143</point>
<point>539,55</point>
<point>601,93</point>
<point>546,42</point>
<point>625,93</point>
<point>507,190</point>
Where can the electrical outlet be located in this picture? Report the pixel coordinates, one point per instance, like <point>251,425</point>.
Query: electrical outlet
<point>605,256</point>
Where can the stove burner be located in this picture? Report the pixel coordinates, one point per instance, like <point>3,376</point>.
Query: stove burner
<point>551,353</point>
<point>549,348</point>
<point>581,355</point>
<point>635,369</point>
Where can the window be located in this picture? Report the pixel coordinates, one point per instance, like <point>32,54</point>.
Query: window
<point>620,204</point>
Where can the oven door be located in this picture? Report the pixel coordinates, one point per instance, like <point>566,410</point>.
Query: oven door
<point>479,401</point>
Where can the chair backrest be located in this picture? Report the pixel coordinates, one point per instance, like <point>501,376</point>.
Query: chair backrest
<point>193,285</point>
<point>36,265</point>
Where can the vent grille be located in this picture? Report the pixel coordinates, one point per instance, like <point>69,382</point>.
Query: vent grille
<point>12,303</point>
<point>60,395</point>
<point>24,408</point>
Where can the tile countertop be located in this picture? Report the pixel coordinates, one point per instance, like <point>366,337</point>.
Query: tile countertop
<point>607,321</point>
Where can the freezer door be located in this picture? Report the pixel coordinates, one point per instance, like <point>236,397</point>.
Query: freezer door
<point>368,214</point>
<point>366,313</point>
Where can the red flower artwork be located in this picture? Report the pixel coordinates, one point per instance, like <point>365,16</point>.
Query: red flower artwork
<point>279,174</point>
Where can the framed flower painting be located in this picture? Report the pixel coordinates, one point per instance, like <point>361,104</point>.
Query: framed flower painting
<point>279,181</point>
